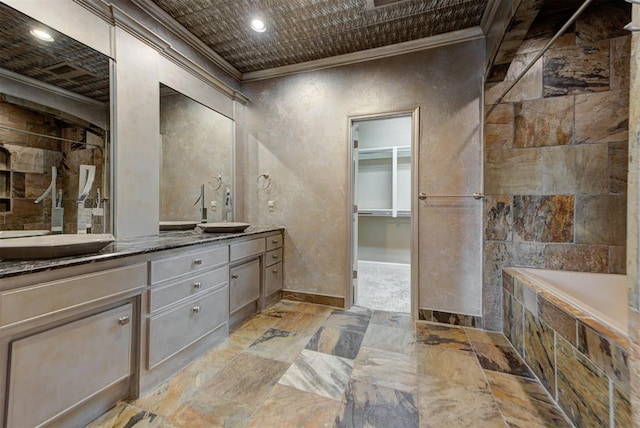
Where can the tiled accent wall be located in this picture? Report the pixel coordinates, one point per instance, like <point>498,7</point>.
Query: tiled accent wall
<point>556,153</point>
<point>582,363</point>
<point>31,160</point>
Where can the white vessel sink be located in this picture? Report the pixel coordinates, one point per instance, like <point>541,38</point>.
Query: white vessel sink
<point>52,246</point>
<point>224,227</point>
<point>6,234</point>
<point>177,225</point>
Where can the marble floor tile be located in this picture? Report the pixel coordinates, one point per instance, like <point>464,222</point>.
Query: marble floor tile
<point>280,309</point>
<point>289,407</point>
<point>524,402</point>
<point>368,405</point>
<point>255,327</point>
<point>125,415</point>
<point>481,336</point>
<point>310,308</point>
<point>442,336</point>
<point>303,323</point>
<point>501,358</point>
<point>206,410</point>
<point>280,345</point>
<point>319,373</point>
<point>392,339</point>
<point>442,404</point>
<point>384,368</point>
<point>356,321</point>
<point>461,368</point>
<point>392,319</point>
<point>246,379</point>
<point>336,341</point>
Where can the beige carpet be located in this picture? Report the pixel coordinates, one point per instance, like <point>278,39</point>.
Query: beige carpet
<point>386,287</point>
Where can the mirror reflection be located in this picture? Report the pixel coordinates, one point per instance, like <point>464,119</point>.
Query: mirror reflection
<point>197,160</point>
<point>54,138</point>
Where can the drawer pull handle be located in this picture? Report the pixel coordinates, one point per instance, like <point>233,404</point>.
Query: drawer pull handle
<point>197,262</point>
<point>123,320</point>
<point>274,241</point>
<point>197,285</point>
<point>275,256</point>
<point>275,271</point>
<point>234,276</point>
<point>196,309</point>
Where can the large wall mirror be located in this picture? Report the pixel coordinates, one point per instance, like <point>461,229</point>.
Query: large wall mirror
<point>54,130</point>
<point>197,160</point>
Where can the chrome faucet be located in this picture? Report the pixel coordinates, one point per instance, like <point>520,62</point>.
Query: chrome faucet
<point>57,212</point>
<point>203,208</point>
<point>227,205</point>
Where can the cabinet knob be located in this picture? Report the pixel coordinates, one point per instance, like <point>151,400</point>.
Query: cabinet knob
<point>275,271</point>
<point>422,196</point>
<point>197,262</point>
<point>234,276</point>
<point>196,309</point>
<point>197,285</point>
<point>275,256</point>
<point>274,241</point>
<point>123,320</point>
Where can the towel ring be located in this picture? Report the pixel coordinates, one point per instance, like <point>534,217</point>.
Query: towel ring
<point>263,181</point>
<point>215,183</point>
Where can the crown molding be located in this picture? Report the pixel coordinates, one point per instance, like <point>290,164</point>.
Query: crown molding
<point>121,19</point>
<point>438,40</point>
<point>186,36</point>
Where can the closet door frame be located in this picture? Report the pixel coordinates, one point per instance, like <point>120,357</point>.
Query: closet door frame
<point>351,202</point>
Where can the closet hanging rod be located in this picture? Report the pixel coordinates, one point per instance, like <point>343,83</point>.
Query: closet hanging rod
<point>47,136</point>
<point>473,195</point>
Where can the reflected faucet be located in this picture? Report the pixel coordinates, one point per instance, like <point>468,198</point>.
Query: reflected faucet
<point>227,204</point>
<point>203,209</point>
<point>57,211</point>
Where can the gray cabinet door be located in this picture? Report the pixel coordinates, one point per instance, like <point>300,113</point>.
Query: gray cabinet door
<point>244,284</point>
<point>273,279</point>
<point>55,370</point>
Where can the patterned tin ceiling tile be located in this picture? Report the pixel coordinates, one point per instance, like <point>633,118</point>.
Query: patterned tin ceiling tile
<point>305,30</point>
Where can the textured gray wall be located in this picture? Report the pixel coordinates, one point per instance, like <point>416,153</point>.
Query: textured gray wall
<point>298,133</point>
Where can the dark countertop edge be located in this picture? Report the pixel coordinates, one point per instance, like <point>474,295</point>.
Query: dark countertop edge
<point>129,247</point>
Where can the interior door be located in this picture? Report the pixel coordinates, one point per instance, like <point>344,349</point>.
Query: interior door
<point>354,213</point>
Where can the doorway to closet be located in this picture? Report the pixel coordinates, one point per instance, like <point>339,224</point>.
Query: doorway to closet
<point>381,188</point>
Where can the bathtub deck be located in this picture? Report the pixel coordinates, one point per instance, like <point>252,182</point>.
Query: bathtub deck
<point>307,365</point>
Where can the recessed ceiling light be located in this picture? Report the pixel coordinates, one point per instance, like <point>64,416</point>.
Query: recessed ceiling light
<point>41,34</point>
<point>258,25</point>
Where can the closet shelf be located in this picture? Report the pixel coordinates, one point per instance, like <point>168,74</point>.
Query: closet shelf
<point>383,213</point>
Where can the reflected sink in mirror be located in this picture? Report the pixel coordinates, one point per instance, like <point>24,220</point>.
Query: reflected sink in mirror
<point>53,246</point>
<point>224,227</point>
<point>7,234</point>
<point>177,225</point>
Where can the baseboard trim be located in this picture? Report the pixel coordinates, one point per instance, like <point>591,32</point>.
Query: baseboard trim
<point>320,299</point>
<point>450,318</point>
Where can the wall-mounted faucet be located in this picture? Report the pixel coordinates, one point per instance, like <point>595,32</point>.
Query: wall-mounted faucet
<point>57,212</point>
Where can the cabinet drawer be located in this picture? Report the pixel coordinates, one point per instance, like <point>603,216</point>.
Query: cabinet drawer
<point>54,370</point>
<point>244,284</point>
<point>273,257</point>
<point>242,250</point>
<point>273,278</point>
<point>173,331</point>
<point>181,264</point>
<point>274,242</point>
<point>168,294</point>
<point>32,302</point>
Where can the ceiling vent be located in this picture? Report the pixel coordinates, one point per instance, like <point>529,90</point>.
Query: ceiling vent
<point>375,4</point>
<point>69,71</point>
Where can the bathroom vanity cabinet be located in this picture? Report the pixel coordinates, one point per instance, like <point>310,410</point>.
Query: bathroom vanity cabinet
<point>67,340</point>
<point>76,338</point>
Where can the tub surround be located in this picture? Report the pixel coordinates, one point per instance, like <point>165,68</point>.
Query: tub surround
<point>556,153</point>
<point>582,362</point>
<point>130,247</point>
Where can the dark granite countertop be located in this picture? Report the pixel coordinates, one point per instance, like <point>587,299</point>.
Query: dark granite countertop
<point>129,247</point>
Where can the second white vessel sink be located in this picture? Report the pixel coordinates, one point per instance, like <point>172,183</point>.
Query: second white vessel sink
<point>52,246</point>
<point>178,225</point>
<point>6,234</point>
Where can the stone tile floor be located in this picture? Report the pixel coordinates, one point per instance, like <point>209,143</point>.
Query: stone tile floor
<point>304,365</point>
